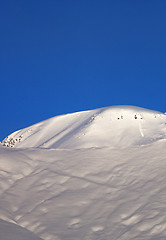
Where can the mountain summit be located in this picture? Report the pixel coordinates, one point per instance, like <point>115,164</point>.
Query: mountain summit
<point>116,126</point>
<point>96,175</point>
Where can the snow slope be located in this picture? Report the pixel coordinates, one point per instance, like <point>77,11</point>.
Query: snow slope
<point>10,231</point>
<point>78,191</point>
<point>119,126</point>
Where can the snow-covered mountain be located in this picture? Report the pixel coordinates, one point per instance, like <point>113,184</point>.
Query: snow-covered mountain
<point>119,126</point>
<point>93,175</point>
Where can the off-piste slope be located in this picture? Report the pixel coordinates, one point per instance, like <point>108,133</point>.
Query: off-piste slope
<point>93,175</point>
<point>85,194</point>
<point>119,126</point>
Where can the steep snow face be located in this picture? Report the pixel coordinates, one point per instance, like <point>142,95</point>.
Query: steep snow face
<point>119,126</point>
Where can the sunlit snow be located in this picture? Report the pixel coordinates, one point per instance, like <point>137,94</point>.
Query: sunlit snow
<point>93,175</point>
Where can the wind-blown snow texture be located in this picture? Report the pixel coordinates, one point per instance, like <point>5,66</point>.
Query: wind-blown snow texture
<point>91,175</point>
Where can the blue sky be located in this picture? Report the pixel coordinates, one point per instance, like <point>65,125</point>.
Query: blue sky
<point>61,56</point>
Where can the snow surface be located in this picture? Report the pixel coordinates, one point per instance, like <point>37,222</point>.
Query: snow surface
<point>10,231</point>
<point>94,175</point>
<point>120,126</point>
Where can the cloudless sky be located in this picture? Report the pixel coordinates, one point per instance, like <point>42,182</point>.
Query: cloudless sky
<point>61,56</point>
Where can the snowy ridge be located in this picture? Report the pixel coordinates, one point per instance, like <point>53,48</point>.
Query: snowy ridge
<point>93,175</point>
<point>119,126</point>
